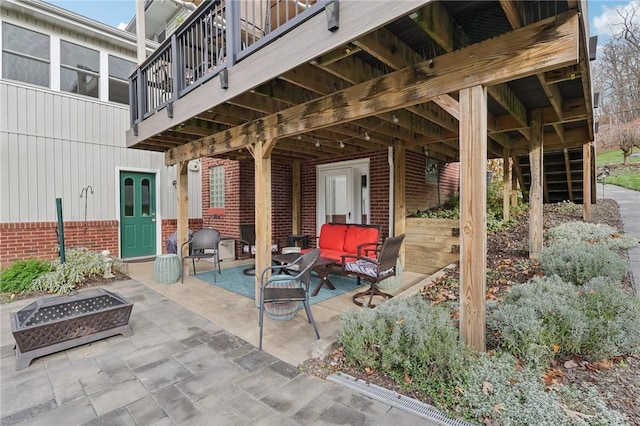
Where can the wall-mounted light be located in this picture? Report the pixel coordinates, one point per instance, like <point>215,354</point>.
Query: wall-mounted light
<point>332,9</point>
<point>224,79</point>
<point>170,110</point>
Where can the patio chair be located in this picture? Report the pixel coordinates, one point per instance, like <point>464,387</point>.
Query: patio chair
<point>374,269</point>
<point>201,240</point>
<point>248,241</point>
<point>287,289</point>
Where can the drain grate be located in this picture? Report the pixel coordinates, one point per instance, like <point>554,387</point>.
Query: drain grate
<point>394,399</point>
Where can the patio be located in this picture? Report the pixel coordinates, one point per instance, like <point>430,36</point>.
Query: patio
<point>290,341</point>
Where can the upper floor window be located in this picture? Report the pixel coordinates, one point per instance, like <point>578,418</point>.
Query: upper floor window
<point>79,69</point>
<point>216,187</point>
<point>119,71</point>
<point>25,55</point>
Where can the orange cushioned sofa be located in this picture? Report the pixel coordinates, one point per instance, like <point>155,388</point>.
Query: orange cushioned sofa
<point>338,239</point>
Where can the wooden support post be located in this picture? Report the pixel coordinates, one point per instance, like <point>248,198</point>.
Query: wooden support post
<point>535,193</point>
<point>262,159</point>
<point>399,196</point>
<point>183,210</point>
<point>506,184</point>
<point>473,216</point>
<point>586,181</point>
<point>515,173</point>
<point>295,198</point>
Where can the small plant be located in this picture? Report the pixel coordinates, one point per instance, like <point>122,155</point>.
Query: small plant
<point>19,277</point>
<point>591,233</point>
<point>407,339</point>
<point>499,390</point>
<point>548,317</point>
<point>578,263</point>
<point>81,264</point>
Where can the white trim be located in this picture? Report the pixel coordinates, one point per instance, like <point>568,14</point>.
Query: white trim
<point>361,164</point>
<point>156,173</point>
<point>54,63</point>
<point>103,91</point>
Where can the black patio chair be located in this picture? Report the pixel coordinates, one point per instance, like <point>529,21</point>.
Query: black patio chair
<point>283,289</point>
<point>201,240</point>
<point>248,241</point>
<point>374,268</point>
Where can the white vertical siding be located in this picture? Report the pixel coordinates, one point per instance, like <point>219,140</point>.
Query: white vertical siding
<point>54,144</point>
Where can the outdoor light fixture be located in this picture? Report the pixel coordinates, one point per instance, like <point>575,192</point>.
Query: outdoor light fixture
<point>317,144</point>
<point>367,137</point>
<point>224,79</point>
<point>341,144</point>
<point>170,110</point>
<point>332,10</point>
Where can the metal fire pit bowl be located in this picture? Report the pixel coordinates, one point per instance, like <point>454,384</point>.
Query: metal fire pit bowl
<point>57,323</point>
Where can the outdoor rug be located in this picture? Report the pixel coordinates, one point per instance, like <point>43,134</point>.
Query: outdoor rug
<point>234,280</point>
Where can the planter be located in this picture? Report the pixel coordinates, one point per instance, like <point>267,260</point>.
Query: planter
<point>58,323</point>
<point>166,269</point>
<point>431,244</point>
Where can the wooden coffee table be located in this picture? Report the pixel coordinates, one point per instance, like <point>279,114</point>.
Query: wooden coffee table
<point>322,268</point>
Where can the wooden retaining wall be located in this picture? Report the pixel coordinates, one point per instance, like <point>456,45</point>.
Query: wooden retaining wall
<point>431,244</point>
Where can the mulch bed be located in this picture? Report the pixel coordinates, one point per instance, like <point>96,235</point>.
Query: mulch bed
<point>508,263</point>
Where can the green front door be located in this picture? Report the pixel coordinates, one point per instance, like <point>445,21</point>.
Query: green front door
<point>137,214</point>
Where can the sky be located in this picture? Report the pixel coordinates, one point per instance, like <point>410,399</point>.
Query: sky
<point>603,19</point>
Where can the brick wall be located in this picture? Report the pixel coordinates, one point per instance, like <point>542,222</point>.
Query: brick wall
<point>421,195</point>
<point>169,226</point>
<point>240,198</point>
<point>39,240</point>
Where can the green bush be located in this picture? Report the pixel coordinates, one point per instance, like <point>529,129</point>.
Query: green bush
<point>591,233</point>
<point>19,277</point>
<point>498,390</point>
<point>539,319</point>
<point>81,264</point>
<point>578,263</point>
<point>548,317</point>
<point>407,339</point>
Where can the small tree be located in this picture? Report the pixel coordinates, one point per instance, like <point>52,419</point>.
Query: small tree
<point>629,137</point>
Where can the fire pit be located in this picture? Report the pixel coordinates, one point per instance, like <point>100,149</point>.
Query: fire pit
<point>58,323</point>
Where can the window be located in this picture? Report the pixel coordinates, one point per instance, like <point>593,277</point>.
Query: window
<point>119,71</point>
<point>25,55</point>
<point>79,69</point>
<point>216,187</point>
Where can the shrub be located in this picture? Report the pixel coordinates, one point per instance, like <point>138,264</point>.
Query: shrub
<point>81,264</point>
<point>539,319</point>
<point>498,390</point>
<point>549,317</point>
<point>578,263</point>
<point>19,277</point>
<point>591,233</point>
<point>407,339</point>
<point>612,318</point>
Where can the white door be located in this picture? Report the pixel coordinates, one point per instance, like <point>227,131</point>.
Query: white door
<point>342,195</point>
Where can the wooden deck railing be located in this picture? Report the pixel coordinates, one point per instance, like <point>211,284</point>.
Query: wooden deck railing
<point>214,37</point>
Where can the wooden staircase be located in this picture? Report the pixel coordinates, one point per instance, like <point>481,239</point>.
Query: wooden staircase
<point>562,177</point>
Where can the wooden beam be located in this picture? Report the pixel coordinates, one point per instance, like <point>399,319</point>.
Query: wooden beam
<point>436,21</point>
<point>182,198</point>
<point>536,48</point>
<point>295,198</point>
<point>473,216</point>
<point>586,181</point>
<point>506,184</point>
<point>535,193</point>
<point>399,194</point>
<point>262,162</point>
<point>514,10</point>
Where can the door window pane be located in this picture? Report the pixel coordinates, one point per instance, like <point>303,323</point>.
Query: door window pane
<point>128,197</point>
<point>25,55</point>
<point>146,197</point>
<point>336,199</point>
<point>79,69</point>
<point>119,72</point>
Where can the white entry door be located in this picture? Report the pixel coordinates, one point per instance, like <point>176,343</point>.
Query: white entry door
<point>342,193</point>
